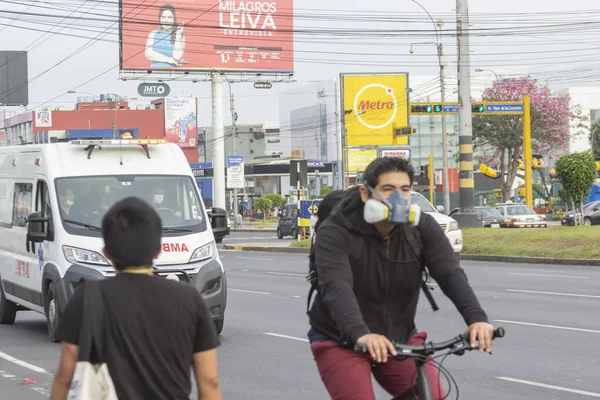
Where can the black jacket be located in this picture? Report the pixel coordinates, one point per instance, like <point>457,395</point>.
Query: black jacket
<point>371,284</point>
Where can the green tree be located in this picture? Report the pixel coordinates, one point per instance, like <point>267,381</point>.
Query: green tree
<point>325,190</point>
<point>595,138</point>
<point>576,173</point>
<point>277,200</point>
<point>263,204</point>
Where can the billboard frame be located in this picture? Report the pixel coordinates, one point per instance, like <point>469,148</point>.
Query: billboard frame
<point>189,74</point>
<point>342,113</point>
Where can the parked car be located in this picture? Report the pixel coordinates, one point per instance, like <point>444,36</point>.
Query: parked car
<point>521,216</point>
<point>448,224</point>
<point>490,217</point>
<point>590,216</point>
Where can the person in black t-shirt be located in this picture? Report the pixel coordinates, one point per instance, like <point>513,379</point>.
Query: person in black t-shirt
<point>154,329</point>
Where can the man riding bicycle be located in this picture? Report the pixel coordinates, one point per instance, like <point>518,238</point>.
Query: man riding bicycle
<point>369,277</point>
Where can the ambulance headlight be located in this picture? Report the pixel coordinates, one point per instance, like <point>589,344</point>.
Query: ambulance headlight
<point>75,255</point>
<point>204,253</point>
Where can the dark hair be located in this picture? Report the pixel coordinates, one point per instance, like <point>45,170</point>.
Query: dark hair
<point>384,165</point>
<point>132,233</point>
<point>328,204</point>
<point>170,8</point>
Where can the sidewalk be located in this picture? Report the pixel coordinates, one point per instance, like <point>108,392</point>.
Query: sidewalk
<point>255,227</point>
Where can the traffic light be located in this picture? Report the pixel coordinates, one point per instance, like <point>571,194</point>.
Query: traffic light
<point>425,170</point>
<point>404,131</point>
<point>477,107</point>
<point>489,172</point>
<point>538,161</point>
<point>421,108</point>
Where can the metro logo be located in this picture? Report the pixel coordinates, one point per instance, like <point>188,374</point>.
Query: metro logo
<point>174,247</point>
<point>375,105</point>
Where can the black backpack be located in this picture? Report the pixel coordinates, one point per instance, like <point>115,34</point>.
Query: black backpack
<point>413,237</point>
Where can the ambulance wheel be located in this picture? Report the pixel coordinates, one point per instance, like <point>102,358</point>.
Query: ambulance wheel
<point>8,309</point>
<point>53,313</point>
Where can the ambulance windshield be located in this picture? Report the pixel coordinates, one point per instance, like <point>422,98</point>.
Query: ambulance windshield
<point>84,200</point>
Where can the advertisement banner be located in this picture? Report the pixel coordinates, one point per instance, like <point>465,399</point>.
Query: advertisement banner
<point>181,125</point>
<point>235,172</point>
<point>227,35</point>
<point>394,152</point>
<point>359,159</point>
<point>376,104</point>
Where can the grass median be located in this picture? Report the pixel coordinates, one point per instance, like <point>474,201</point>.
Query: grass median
<point>582,242</point>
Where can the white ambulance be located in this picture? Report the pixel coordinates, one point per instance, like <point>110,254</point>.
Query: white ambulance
<point>52,200</point>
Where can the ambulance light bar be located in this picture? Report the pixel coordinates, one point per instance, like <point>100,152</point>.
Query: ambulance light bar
<point>118,142</point>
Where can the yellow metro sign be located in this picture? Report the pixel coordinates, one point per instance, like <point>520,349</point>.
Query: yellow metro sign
<point>374,105</point>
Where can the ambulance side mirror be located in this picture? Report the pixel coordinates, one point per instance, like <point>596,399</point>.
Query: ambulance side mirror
<point>35,228</point>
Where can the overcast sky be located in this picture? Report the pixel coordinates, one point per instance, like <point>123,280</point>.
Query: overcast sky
<point>556,41</point>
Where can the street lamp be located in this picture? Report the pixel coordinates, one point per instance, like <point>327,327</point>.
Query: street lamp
<point>488,70</point>
<point>437,25</point>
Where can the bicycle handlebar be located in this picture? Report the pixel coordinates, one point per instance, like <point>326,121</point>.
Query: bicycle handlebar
<point>458,343</point>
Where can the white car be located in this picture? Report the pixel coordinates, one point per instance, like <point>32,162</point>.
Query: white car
<point>449,225</point>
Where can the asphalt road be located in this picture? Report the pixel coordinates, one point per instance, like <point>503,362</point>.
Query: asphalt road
<point>550,350</point>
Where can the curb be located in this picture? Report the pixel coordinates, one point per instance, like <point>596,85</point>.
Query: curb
<point>254,230</point>
<point>266,249</point>
<point>466,257</point>
<point>531,260</point>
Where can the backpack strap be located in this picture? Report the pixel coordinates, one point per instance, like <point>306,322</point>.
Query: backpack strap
<point>312,273</point>
<point>413,237</point>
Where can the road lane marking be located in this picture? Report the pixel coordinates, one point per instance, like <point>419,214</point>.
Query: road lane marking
<point>248,291</point>
<point>589,296</point>
<point>550,275</point>
<point>567,328</point>
<point>286,337</point>
<point>23,363</point>
<point>553,387</point>
<point>286,273</point>
<point>255,258</point>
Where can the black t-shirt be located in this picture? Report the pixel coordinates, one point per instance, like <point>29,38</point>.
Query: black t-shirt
<point>152,327</point>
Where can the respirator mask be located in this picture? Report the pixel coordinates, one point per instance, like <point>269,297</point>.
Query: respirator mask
<point>394,210</point>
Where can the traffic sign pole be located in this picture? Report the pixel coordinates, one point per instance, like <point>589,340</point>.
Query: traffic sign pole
<point>527,151</point>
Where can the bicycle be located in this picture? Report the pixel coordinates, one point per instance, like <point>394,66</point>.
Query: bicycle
<point>421,353</point>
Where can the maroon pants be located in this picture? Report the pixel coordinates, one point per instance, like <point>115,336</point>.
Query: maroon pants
<point>347,375</point>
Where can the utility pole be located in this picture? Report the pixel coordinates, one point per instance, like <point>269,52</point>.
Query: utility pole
<point>219,140</point>
<point>431,159</point>
<point>465,119</point>
<point>446,181</point>
<point>339,133</point>
<point>234,132</point>
<point>465,139</point>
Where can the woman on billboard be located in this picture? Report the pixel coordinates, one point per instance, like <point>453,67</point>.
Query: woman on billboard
<point>165,45</point>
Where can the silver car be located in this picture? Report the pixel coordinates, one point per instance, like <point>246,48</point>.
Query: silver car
<point>521,216</point>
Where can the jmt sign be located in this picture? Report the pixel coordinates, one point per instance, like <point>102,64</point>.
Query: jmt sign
<point>154,89</point>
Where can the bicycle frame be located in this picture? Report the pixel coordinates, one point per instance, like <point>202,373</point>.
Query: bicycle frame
<point>423,387</point>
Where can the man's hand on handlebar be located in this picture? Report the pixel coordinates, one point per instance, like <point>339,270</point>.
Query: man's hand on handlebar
<point>482,332</point>
<point>378,346</point>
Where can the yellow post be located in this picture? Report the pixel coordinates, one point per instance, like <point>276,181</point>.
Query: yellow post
<point>430,176</point>
<point>527,151</point>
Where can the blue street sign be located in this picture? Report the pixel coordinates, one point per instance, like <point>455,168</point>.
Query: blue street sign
<point>450,108</point>
<point>504,108</point>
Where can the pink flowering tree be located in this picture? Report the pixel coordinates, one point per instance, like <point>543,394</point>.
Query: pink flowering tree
<point>501,137</point>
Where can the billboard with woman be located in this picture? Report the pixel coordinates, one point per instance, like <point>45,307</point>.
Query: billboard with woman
<point>227,35</point>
